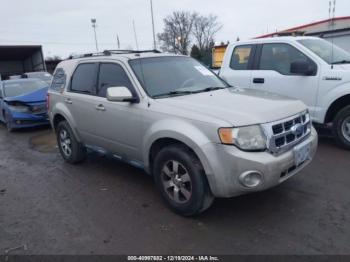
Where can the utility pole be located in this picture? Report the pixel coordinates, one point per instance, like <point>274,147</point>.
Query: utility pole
<point>118,42</point>
<point>93,22</point>
<point>137,44</point>
<point>331,25</point>
<point>154,33</point>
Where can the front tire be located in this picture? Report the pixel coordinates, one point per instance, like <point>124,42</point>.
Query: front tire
<point>181,180</point>
<point>341,128</point>
<point>71,150</point>
<point>8,123</point>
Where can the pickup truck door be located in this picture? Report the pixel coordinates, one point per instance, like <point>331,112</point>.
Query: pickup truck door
<point>236,69</point>
<point>273,73</point>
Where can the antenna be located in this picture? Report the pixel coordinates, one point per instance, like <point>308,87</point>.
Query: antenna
<point>137,44</point>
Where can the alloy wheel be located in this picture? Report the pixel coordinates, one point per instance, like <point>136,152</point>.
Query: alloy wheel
<point>176,182</point>
<point>65,142</point>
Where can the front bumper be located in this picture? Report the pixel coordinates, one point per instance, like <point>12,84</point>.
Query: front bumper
<point>23,120</point>
<point>228,163</point>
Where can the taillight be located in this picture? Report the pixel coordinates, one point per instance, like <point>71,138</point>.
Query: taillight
<point>48,102</point>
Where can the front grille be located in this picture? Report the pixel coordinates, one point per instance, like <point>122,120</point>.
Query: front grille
<point>286,133</point>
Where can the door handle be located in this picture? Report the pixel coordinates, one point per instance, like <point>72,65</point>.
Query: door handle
<point>68,101</point>
<point>259,80</point>
<point>100,107</point>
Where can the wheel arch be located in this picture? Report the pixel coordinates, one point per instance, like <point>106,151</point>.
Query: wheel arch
<point>336,106</point>
<point>181,133</point>
<point>160,143</point>
<point>58,117</point>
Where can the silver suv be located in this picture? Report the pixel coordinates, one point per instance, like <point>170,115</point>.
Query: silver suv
<point>198,137</point>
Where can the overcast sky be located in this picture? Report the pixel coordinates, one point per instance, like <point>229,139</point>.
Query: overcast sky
<point>63,27</point>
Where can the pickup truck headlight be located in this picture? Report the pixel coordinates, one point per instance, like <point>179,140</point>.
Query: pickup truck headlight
<point>248,138</point>
<point>19,108</point>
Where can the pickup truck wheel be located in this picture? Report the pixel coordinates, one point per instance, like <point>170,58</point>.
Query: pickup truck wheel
<point>71,150</point>
<point>341,128</point>
<point>181,181</point>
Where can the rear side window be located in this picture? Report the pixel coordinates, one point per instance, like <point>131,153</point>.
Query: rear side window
<point>112,75</point>
<point>240,57</point>
<point>84,79</point>
<point>59,80</point>
<point>279,57</point>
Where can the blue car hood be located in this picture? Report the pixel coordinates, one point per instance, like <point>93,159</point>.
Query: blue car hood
<point>36,96</point>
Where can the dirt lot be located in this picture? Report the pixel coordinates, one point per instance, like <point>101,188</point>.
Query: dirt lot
<point>107,207</point>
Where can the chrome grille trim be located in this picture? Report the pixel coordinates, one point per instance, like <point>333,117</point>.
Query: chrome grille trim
<point>280,134</point>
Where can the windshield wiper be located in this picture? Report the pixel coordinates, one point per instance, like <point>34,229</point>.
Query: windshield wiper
<point>174,93</point>
<point>341,62</point>
<point>187,92</point>
<point>208,89</point>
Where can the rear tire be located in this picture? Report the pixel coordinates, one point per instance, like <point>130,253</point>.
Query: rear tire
<point>341,128</point>
<point>71,150</point>
<point>181,180</point>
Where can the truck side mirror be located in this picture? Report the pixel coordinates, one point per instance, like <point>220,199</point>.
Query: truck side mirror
<point>302,68</point>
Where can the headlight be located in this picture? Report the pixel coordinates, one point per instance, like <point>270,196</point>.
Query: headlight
<point>249,138</point>
<point>19,108</point>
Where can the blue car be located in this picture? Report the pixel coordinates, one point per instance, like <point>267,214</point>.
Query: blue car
<point>23,103</point>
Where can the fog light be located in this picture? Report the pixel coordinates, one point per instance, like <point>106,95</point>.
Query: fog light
<point>250,179</point>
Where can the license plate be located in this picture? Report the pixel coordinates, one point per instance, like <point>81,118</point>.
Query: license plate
<point>302,153</point>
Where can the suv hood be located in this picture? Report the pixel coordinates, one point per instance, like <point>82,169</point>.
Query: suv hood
<point>238,107</point>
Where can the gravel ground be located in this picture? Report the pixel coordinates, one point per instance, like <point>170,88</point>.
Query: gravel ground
<point>107,207</point>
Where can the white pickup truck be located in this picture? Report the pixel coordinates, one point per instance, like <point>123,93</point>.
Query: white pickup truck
<point>307,68</point>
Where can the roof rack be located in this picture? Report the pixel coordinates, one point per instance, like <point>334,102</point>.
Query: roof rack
<point>110,52</point>
<point>119,51</point>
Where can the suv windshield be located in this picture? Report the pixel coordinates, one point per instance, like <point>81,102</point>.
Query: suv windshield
<point>17,88</point>
<point>332,54</point>
<point>174,75</point>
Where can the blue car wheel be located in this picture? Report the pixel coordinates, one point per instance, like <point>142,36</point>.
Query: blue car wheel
<point>8,123</point>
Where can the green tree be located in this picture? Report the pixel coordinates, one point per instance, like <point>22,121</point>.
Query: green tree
<point>196,53</point>
<point>206,54</point>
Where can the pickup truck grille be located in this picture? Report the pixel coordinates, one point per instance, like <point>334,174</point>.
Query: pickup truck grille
<point>284,134</point>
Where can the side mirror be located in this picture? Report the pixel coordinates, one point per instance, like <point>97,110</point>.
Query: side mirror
<point>302,68</point>
<point>120,94</point>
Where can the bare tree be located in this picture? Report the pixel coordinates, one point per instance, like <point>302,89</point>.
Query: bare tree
<point>176,36</point>
<point>204,30</point>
